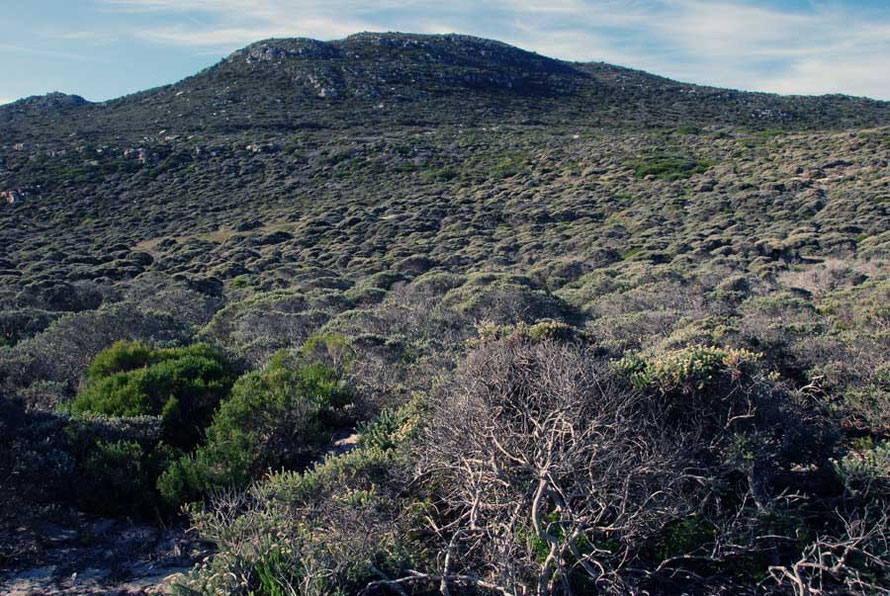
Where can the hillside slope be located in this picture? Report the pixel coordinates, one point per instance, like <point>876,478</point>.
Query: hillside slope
<point>493,321</point>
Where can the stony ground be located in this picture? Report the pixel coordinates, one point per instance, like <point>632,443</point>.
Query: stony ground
<point>80,554</point>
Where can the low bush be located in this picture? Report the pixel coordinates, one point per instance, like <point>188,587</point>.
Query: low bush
<point>865,470</point>
<point>689,369</point>
<point>182,385</point>
<point>667,167</point>
<point>119,477</point>
<point>274,418</point>
<point>277,537</point>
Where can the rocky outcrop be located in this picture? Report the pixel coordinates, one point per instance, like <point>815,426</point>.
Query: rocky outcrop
<point>12,196</point>
<point>52,100</point>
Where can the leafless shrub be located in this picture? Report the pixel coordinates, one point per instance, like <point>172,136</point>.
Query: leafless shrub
<point>546,470</point>
<point>852,563</point>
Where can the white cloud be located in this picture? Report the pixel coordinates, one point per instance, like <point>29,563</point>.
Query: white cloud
<point>816,76</point>
<point>5,100</point>
<point>82,37</point>
<point>246,7</point>
<point>239,36</point>
<point>737,44</point>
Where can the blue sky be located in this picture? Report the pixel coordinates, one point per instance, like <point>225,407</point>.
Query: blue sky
<point>106,48</point>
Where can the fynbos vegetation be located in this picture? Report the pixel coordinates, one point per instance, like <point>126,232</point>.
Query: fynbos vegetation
<point>430,314</point>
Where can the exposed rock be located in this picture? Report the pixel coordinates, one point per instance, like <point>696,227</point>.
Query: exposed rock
<point>54,100</point>
<point>12,196</point>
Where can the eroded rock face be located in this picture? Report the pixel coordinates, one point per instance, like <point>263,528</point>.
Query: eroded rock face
<point>279,49</point>
<point>375,65</point>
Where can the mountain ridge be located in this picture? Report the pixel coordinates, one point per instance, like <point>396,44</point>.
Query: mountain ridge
<point>411,79</point>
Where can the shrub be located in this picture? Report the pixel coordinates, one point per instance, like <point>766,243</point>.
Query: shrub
<point>273,418</point>
<point>392,426</point>
<point>546,429</point>
<point>689,369</point>
<point>505,299</point>
<point>116,462</point>
<point>544,330</point>
<point>321,531</point>
<point>16,325</point>
<point>123,356</point>
<point>667,167</point>
<point>183,385</point>
<point>253,329</point>
<point>865,470</point>
<point>64,350</point>
<point>119,477</point>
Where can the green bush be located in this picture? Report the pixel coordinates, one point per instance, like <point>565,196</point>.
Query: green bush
<point>123,356</point>
<point>865,470</point>
<point>119,477</point>
<point>543,330</point>
<point>183,385</point>
<point>687,370</point>
<point>269,543</point>
<point>392,427</point>
<point>667,167</point>
<point>273,418</point>
<point>685,536</point>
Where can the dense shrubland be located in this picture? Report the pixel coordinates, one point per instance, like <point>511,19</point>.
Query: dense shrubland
<point>506,358</point>
<point>645,427</point>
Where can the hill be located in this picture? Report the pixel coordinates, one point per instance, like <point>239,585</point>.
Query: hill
<point>387,80</point>
<point>592,329</point>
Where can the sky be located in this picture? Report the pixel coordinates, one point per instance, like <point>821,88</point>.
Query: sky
<point>102,49</point>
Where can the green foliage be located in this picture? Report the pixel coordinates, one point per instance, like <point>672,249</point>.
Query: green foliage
<point>667,167</point>
<point>120,477</point>
<point>330,351</point>
<point>543,330</point>
<point>689,369</point>
<point>689,130</point>
<point>439,175</point>
<point>272,419</point>
<point>183,385</point>
<point>865,469</point>
<point>359,469</point>
<point>123,356</point>
<point>505,299</point>
<point>265,538</point>
<point>392,427</point>
<point>118,468</point>
<point>684,537</point>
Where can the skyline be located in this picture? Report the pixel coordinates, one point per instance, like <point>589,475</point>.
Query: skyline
<point>102,49</point>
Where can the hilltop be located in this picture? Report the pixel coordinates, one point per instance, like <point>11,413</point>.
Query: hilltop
<point>438,311</point>
<point>387,80</point>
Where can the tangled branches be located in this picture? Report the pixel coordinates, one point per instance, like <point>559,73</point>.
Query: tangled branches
<point>548,469</point>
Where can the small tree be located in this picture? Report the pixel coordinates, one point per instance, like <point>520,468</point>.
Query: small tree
<point>274,418</point>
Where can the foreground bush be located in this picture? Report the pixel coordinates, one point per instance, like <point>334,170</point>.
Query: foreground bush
<point>537,454</point>
<point>273,418</point>
<point>332,529</point>
<point>182,385</point>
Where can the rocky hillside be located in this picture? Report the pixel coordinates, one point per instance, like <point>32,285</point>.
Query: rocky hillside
<point>387,80</point>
